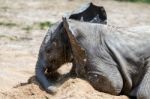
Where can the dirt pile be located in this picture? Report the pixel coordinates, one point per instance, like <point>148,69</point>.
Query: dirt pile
<point>71,89</point>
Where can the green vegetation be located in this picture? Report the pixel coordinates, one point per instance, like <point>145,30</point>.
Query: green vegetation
<point>9,24</point>
<point>28,28</point>
<point>44,25</point>
<point>38,25</point>
<point>145,1</point>
<point>12,38</point>
<point>148,1</point>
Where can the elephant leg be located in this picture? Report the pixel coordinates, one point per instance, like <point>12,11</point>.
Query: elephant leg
<point>143,90</point>
<point>101,83</point>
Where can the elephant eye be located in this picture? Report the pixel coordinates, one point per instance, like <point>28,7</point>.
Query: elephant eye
<point>48,50</point>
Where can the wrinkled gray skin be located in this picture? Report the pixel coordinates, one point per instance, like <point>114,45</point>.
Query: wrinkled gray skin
<point>117,60</point>
<point>56,50</point>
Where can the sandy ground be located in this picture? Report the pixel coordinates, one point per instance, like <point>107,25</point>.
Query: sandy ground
<point>21,36</point>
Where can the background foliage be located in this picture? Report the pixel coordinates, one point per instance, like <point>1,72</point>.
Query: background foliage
<point>146,1</point>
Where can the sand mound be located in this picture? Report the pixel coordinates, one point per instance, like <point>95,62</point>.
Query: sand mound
<point>71,89</point>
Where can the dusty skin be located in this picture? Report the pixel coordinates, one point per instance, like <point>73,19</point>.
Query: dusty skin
<point>21,34</point>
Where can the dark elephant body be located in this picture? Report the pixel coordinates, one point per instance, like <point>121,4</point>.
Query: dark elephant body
<point>118,60</point>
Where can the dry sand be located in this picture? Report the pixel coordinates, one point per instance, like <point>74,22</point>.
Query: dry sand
<point>21,36</point>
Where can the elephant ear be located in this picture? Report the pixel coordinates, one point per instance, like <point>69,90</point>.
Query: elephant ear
<point>79,53</point>
<point>90,13</point>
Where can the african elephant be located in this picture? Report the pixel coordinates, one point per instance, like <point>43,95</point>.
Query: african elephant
<point>56,50</point>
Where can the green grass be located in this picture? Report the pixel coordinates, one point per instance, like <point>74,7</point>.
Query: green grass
<point>41,25</point>
<point>38,25</point>
<point>8,24</point>
<point>28,28</point>
<point>44,25</point>
<point>145,1</point>
<point>12,38</point>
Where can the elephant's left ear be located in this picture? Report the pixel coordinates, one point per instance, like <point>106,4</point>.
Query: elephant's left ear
<point>79,53</point>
